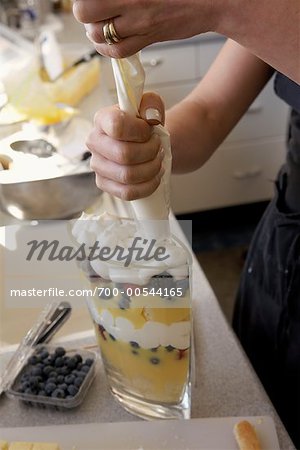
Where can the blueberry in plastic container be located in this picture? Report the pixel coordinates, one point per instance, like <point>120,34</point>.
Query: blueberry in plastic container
<point>56,386</point>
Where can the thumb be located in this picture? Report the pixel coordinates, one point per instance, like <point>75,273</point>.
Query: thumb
<point>152,109</point>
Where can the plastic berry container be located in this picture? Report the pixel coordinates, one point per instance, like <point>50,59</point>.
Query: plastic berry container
<point>54,377</point>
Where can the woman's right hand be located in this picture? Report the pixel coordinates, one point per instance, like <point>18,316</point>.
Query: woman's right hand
<point>126,154</point>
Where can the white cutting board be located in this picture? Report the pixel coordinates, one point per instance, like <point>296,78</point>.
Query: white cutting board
<point>200,434</point>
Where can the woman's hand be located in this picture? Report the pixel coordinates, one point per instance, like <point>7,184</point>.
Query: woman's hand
<point>142,22</point>
<point>126,155</point>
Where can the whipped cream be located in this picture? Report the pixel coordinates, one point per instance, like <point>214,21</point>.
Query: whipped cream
<point>111,231</point>
<point>151,335</point>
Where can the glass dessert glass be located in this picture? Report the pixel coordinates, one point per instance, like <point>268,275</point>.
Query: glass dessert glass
<point>143,324</point>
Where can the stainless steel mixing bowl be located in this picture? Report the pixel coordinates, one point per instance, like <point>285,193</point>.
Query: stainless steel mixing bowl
<point>56,198</point>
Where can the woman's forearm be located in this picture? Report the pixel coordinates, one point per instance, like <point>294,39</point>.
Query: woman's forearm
<point>268,28</point>
<point>200,123</point>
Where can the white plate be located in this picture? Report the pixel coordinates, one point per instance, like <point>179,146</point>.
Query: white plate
<point>200,434</point>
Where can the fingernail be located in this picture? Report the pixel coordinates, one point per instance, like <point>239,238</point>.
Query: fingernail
<point>153,116</point>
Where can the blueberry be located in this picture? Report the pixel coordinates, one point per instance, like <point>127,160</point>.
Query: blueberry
<point>25,385</point>
<point>170,348</point>
<point>69,379</point>
<point>60,379</point>
<point>42,385</point>
<point>42,393</point>
<point>44,354</point>
<point>183,285</point>
<point>163,281</point>
<point>50,360</point>
<point>49,388</point>
<point>89,362</point>
<point>124,303</point>
<point>58,393</point>
<point>36,371</point>
<point>85,369</point>
<point>155,361</point>
<point>64,370</point>
<point>60,351</point>
<point>72,390</point>
<point>59,362</point>
<point>53,374</point>
<point>34,381</point>
<point>125,295</point>
<point>47,370</point>
<point>24,377</point>
<point>81,374</point>
<point>72,363</point>
<point>77,382</point>
<point>33,360</point>
<point>79,366</point>
<point>63,386</point>
<point>78,358</point>
<point>106,293</point>
<point>51,380</point>
<point>134,344</point>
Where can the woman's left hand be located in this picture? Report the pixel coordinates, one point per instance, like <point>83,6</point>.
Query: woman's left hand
<point>140,23</point>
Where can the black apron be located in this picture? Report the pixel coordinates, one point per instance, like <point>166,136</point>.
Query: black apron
<point>267,312</point>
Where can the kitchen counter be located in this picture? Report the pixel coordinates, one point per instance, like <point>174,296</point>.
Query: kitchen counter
<point>224,383</point>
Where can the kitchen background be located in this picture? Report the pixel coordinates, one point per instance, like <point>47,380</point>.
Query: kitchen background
<point>225,199</point>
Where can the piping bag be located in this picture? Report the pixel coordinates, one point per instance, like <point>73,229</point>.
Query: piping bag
<point>151,213</point>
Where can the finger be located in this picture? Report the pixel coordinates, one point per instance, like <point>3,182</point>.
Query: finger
<point>138,28</point>
<point>86,11</point>
<point>125,48</point>
<point>129,44</point>
<point>129,192</point>
<point>95,33</point>
<point>132,174</point>
<point>124,152</point>
<point>152,108</point>
<point>121,126</point>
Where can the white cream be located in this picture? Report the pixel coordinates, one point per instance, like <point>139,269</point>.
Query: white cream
<point>110,231</point>
<point>151,335</point>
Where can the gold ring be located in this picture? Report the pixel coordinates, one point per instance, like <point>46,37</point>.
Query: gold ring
<point>110,35</point>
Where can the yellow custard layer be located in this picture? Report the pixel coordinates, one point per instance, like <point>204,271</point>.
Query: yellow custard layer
<point>155,374</point>
<point>158,375</point>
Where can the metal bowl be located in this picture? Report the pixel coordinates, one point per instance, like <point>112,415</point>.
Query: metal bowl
<point>55,198</point>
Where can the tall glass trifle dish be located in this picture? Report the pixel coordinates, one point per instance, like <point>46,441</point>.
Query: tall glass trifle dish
<point>141,309</point>
<point>139,274</point>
